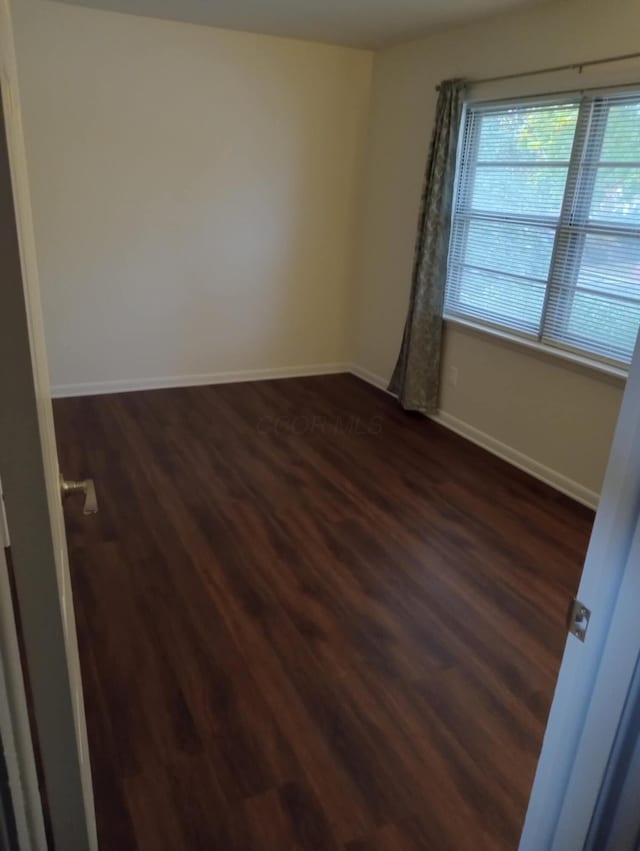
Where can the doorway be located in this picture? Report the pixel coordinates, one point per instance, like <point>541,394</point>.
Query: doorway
<point>272,600</point>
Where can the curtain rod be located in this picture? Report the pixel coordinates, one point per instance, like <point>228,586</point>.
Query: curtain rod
<point>574,66</point>
<point>557,92</point>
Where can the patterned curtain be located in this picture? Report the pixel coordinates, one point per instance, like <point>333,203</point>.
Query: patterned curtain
<point>416,377</point>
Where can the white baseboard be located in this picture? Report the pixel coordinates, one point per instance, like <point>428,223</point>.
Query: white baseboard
<point>519,459</point>
<point>96,388</point>
<point>524,462</point>
<point>369,377</point>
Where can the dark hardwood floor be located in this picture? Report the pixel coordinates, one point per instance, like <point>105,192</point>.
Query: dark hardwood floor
<point>308,620</point>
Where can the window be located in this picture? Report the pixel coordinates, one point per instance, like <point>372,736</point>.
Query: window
<point>545,238</point>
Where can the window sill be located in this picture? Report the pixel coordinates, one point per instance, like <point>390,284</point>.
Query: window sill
<point>616,374</point>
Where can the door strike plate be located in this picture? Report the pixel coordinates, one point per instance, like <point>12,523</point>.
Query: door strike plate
<point>578,619</point>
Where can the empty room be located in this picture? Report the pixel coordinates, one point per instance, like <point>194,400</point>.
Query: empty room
<point>320,434</point>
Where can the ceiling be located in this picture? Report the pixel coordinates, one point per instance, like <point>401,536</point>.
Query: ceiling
<point>358,23</point>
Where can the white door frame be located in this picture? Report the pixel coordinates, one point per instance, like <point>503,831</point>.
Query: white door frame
<point>594,677</point>
<point>28,458</point>
<point>15,729</point>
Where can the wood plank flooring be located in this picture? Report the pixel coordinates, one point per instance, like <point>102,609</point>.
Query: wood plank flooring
<point>309,621</point>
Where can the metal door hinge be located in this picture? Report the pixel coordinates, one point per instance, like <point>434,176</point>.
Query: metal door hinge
<point>578,619</point>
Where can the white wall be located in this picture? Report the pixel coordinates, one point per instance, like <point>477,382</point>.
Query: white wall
<point>194,194</point>
<point>543,412</point>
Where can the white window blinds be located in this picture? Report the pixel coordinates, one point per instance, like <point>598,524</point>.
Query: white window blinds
<point>545,237</point>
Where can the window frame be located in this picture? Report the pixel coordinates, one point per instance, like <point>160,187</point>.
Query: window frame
<point>573,220</point>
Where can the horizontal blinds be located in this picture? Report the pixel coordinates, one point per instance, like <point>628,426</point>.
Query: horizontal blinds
<point>512,177</point>
<point>594,302</point>
<point>546,221</point>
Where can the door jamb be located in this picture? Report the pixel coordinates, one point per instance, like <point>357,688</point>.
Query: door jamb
<point>552,814</point>
<point>41,568</point>
<point>15,729</point>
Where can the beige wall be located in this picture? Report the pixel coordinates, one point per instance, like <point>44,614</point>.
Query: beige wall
<point>557,416</point>
<point>194,194</point>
